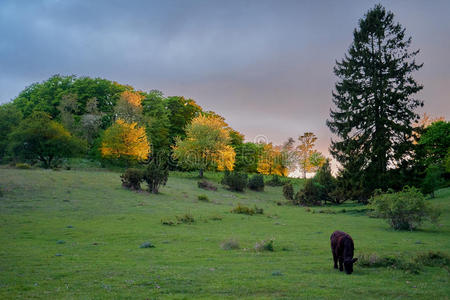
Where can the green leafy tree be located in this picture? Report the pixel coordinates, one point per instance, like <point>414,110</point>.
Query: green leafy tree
<point>326,181</point>
<point>374,102</point>
<point>432,181</point>
<point>181,113</point>
<point>436,142</point>
<point>10,117</point>
<point>47,95</point>
<point>157,172</point>
<point>156,118</point>
<point>247,155</point>
<point>39,137</point>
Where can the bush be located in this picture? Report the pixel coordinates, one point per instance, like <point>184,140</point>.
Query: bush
<point>326,183</point>
<point>432,181</point>
<point>23,166</point>
<point>230,244</point>
<point>206,185</point>
<point>156,174</point>
<point>168,222</point>
<point>235,181</point>
<point>288,191</point>
<point>404,210</point>
<point>433,259</point>
<point>186,219</point>
<point>275,181</point>
<point>242,209</point>
<point>310,195</point>
<point>203,198</point>
<point>411,265</point>
<point>132,179</point>
<point>256,182</point>
<point>216,218</point>
<point>264,245</point>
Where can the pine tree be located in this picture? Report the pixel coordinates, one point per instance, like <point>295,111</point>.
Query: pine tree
<point>374,102</point>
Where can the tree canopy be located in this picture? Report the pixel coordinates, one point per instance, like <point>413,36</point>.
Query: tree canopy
<point>374,101</point>
<point>207,144</point>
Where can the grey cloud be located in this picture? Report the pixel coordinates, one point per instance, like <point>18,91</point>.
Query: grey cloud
<point>264,65</point>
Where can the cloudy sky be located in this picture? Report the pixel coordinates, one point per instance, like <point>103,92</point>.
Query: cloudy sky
<point>266,66</point>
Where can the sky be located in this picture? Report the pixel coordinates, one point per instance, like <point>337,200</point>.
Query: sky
<point>266,66</point>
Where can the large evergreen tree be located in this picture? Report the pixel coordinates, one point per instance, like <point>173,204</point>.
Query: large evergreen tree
<point>374,102</point>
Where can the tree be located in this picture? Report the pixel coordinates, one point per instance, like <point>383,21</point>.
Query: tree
<point>326,182</point>
<point>91,121</point>
<point>374,102</point>
<point>206,144</point>
<point>156,118</point>
<point>128,107</point>
<point>271,162</point>
<point>181,113</point>
<point>432,181</point>
<point>125,141</point>
<point>157,172</point>
<point>247,155</point>
<point>10,118</point>
<point>39,137</point>
<point>68,107</point>
<point>305,150</point>
<point>316,160</point>
<point>436,142</point>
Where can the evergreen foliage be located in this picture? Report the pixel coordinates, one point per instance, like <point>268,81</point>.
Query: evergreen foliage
<point>374,104</point>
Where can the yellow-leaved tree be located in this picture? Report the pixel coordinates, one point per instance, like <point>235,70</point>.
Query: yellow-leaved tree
<point>125,141</point>
<point>272,161</point>
<point>206,145</point>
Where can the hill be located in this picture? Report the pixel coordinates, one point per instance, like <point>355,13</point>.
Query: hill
<point>77,234</point>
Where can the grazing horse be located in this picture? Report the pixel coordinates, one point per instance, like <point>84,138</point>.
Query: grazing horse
<point>342,248</point>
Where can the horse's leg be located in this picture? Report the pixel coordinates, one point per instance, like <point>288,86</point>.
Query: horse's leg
<point>341,263</point>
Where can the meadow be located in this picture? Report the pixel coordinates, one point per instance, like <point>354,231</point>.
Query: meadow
<point>77,234</point>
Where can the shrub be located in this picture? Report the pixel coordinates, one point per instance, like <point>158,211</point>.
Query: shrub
<point>310,195</point>
<point>432,181</point>
<point>168,222</point>
<point>275,181</point>
<point>186,219</point>
<point>433,259</point>
<point>258,211</point>
<point>23,166</point>
<point>256,182</point>
<point>242,209</point>
<point>203,198</point>
<point>404,210</point>
<point>156,174</point>
<point>393,262</point>
<point>230,244</point>
<point>206,185</point>
<point>326,183</point>
<point>216,218</point>
<point>264,245</point>
<point>288,191</point>
<point>235,181</point>
<point>132,179</point>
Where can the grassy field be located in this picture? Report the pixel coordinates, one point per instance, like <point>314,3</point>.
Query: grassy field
<point>77,235</point>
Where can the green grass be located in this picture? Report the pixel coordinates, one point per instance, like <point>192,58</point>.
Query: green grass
<point>77,235</point>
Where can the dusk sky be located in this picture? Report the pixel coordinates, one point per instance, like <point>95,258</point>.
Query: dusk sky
<point>266,66</point>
